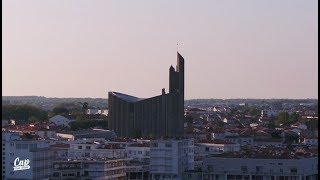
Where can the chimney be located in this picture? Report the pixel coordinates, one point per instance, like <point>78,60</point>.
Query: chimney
<point>163,91</point>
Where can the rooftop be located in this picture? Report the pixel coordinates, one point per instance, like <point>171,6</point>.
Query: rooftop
<point>268,153</point>
<point>126,97</point>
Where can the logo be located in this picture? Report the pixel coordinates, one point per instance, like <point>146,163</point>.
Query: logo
<point>21,164</point>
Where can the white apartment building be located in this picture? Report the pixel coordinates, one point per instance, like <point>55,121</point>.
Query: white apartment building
<point>25,158</point>
<point>85,169</point>
<point>203,149</point>
<point>170,158</point>
<point>139,151</point>
<point>217,147</point>
<point>138,160</point>
<point>95,150</point>
<point>225,168</point>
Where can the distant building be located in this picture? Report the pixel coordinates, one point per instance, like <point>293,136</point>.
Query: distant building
<point>88,133</point>
<point>59,120</point>
<point>170,158</point>
<point>157,116</point>
<point>98,111</point>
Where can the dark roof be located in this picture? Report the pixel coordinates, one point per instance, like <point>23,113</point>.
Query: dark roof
<point>140,145</point>
<point>126,97</point>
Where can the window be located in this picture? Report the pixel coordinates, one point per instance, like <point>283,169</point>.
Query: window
<point>293,170</point>
<point>281,170</point>
<point>22,146</point>
<point>280,163</point>
<point>139,152</point>
<point>88,147</point>
<point>79,147</point>
<point>168,145</point>
<point>244,168</point>
<point>154,144</point>
<point>259,168</point>
<point>210,168</point>
<point>18,146</point>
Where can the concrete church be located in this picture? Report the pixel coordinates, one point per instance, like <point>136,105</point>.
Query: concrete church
<point>161,115</point>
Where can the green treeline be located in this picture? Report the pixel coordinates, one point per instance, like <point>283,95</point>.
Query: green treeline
<point>24,113</point>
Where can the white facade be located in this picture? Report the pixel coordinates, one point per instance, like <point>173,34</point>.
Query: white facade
<point>99,169</point>
<point>92,111</point>
<point>59,120</point>
<point>212,148</point>
<point>98,111</point>
<point>218,135</point>
<point>138,152</point>
<point>170,158</point>
<point>240,140</point>
<point>25,159</point>
<point>91,150</point>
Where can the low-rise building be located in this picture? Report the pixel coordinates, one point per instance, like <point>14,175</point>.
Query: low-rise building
<point>261,164</point>
<point>60,120</point>
<point>88,133</point>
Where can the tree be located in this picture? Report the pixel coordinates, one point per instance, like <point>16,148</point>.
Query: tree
<point>86,124</point>
<point>293,118</point>
<point>60,111</point>
<point>23,113</point>
<point>312,124</point>
<point>33,119</point>
<point>85,106</point>
<point>136,133</point>
<point>220,124</point>
<point>81,117</point>
<point>287,119</point>
<point>253,111</point>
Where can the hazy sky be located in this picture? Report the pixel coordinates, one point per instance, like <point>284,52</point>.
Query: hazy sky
<point>232,48</point>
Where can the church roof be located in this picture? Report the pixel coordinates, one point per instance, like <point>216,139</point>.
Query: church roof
<point>126,97</point>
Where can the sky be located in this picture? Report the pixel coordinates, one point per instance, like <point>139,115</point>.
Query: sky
<point>232,49</point>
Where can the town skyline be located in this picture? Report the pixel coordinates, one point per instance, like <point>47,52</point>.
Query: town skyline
<point>258,50</point>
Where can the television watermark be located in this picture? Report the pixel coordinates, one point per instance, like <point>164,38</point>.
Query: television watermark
<point>21,164</point>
